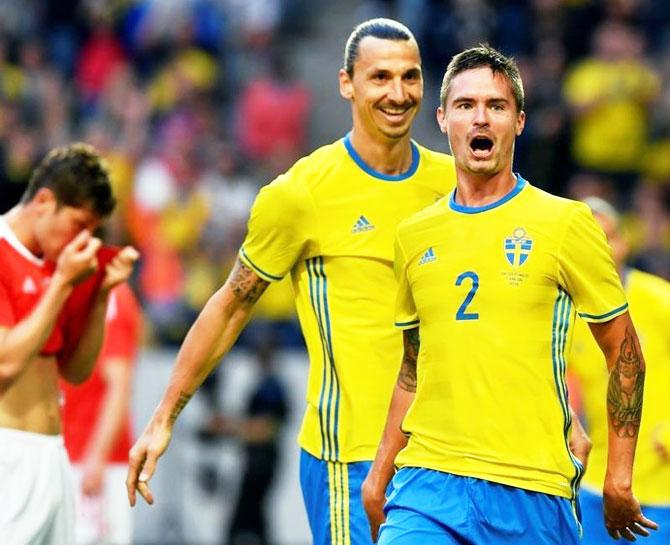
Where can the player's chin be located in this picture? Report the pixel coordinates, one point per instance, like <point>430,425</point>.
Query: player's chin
<point>482,167</point>
<point>395,132</point>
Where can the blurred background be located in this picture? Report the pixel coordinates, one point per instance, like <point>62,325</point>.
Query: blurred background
<point>197,103</point>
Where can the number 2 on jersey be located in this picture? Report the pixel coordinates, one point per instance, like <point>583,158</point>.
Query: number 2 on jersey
<point>461,314</point>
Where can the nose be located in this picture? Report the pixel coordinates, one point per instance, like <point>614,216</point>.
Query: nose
<point>397,92</point>
<point>480,115</point>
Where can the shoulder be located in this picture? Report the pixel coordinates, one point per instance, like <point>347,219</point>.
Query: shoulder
<point>423,218</point>
<point>299,181</point>
<point>554,208</point>
<point>320,161</point>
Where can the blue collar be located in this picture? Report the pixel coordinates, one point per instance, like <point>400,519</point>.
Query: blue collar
<point>380,175</point>
<point>520,184</point>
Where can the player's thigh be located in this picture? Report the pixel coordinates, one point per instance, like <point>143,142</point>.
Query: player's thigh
<point>331,491</point>
<point>426,506</point>
<point>36,502</point>
<point>406,527</point>
<point>507,515</point>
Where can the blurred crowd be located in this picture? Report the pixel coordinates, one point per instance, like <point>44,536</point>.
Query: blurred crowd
<point>195,104</point>
<point>192,103</point>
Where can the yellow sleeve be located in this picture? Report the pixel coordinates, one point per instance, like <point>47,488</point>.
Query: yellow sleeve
<point>587,271</point>
<point>405,310</point>
<point>278,230</point>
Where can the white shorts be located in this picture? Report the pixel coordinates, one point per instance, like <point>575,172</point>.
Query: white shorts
<point>36,490</point>
<point>104,519</point>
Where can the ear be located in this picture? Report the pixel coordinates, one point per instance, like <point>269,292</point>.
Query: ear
<point>44,196</point>
<point>520,122</point>
<point>346,85</point>
<point>441,116</point>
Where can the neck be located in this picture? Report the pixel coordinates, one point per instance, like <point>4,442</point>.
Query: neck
<point>474,190</point>
<point>20,222</point>
<point>391,157</point>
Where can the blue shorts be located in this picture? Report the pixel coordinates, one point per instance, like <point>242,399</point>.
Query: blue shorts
<point>426,506</point>
<point>594,523</point>
<point>332,494</point>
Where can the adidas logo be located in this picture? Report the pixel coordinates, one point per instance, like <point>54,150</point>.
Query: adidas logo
<point>29,285</point>
<point>362,225</point>
<point>428,256</point>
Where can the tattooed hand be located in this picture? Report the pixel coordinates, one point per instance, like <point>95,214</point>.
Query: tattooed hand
<point>144,455</point>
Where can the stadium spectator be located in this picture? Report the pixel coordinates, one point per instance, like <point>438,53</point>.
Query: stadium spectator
<point>97,427</point>
<point>277,140</point>
<point>610,95</point>
<point>328,222</point>
<point>649,300</point>
<point>48,330</point>
<point>259,430</point>
<point>464,306</point>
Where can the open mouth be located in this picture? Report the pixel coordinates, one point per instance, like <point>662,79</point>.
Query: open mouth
<point>481,146</point>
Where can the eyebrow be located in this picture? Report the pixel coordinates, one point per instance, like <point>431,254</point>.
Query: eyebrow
<point>414,71</point>
<point>492,100</point>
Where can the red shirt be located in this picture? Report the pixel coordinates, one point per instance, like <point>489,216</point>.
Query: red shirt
<point>82,404</point>
<point>23,280</point>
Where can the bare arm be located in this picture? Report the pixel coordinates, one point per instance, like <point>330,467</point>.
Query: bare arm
<point>113,412</point>
<point>208,340</point>
<point>393,439</point>
<point>625,363</point>
<point>21,343</point>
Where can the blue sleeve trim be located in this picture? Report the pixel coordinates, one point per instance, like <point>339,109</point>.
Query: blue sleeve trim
<point>257,269</point>
<point>603,317</point>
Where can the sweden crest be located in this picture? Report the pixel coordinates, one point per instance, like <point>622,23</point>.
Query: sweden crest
<point>518,247</point>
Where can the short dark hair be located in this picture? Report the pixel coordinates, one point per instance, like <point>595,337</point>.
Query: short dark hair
<point>484,55</point>
<point>385,29</point>
<point>78,177</point>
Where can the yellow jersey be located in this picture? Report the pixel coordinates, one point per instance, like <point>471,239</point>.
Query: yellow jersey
<point>329,222</point>
<point>494,291</point>
<point>649,300</point>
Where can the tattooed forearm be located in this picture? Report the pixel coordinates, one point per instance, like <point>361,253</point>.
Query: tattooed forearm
<point>407,376</point>
<point>625,388</point>
<point>181,403</point>
<point>246,284</point>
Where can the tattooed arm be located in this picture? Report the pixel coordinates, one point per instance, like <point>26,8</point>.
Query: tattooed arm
<point>210,338</point>
<point>393,439</point>
<point>625,363</point>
